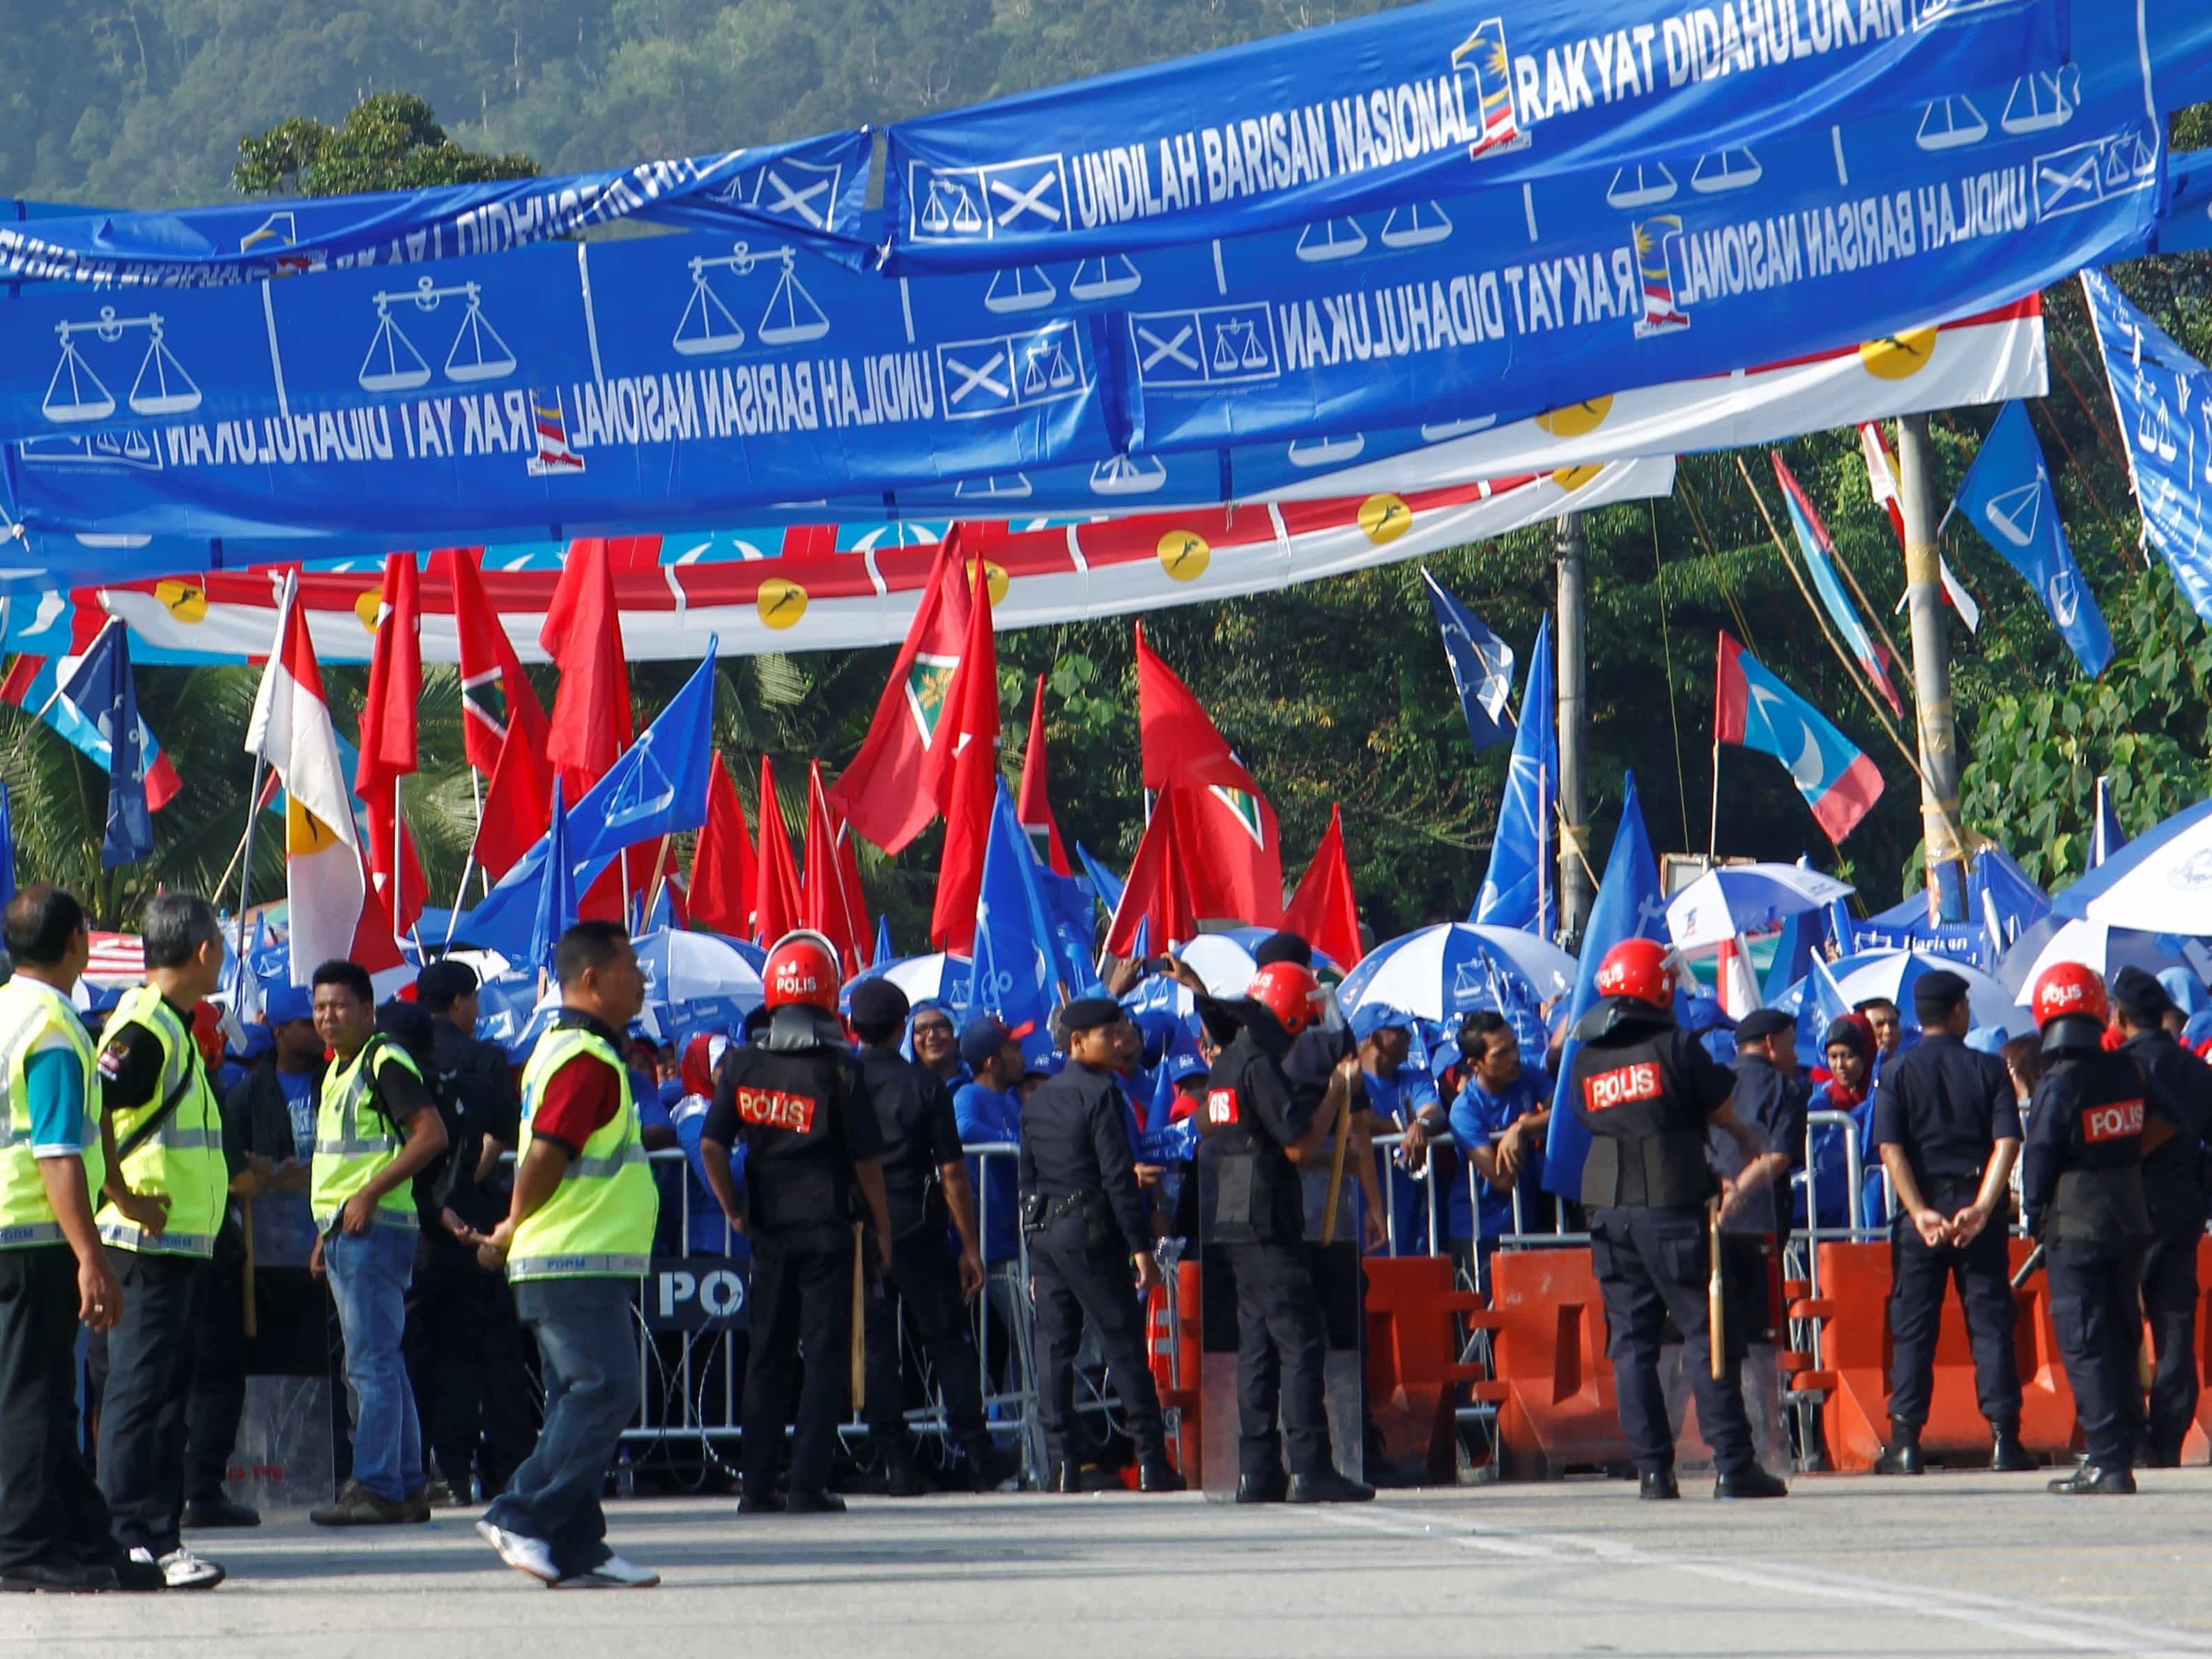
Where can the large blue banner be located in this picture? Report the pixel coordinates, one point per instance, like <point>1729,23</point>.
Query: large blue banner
<point>1425,100</point>
<point>809,192</point>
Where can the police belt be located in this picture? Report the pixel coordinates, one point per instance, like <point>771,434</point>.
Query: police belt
<point>1040,1211</point>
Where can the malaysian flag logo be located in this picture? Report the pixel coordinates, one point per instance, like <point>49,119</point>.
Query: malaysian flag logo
<point>1661,313</point>
<point>1483,55</point>
<point>554,456</point>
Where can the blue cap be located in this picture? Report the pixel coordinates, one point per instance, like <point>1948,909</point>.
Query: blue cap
<point>1370,1018</point>
<point>259,1040</point>
<point>282,1004</point>
<point>1987,1039</point>
<point>2185,988</point>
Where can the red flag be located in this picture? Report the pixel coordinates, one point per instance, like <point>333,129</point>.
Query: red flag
<point>724,881</point>
<point>489,662</point>
<point>518,804</point>
<point>1033,806</point>
<point>387,735</point>
<point>962,770</point>
<point>830,906</point>
<point>881,793</point>
<point>1158,887</point>
<point>776,894</point>
<point>1322,911</point>
<point>591,725</point>
<point>1232,854</point>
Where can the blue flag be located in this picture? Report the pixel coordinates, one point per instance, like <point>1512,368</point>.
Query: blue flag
<point>1518,891</point>
<point>1820,1006</point>
<point>885,955</point>
<point>1482,666</point>
<point>2006,495</point>
<point>658,787</point>
<point>6,849</point>
<point>1070,909</point>
<point>1109,885</point>
<point>2159,394</point>
<point>102,691</point>
<point>556,892</point>
<point>1629,906</point>
<point>2106,835</point>
<point>1017,976</point>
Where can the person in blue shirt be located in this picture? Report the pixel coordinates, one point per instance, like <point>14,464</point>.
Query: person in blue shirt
<point>1397,1094</point>
<point>1499,1119</point>
<point>707,1232</point>
<point>987,1110</point>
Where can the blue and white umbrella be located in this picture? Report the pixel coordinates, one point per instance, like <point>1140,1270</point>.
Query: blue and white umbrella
<point>1892,974</point>
<point>2159,883</point>
<point>1225,962</point>
<point>2096,946</point>
<point>1745,898</point>
<point>698,981</point>
<point>1442,972</point>
<point>939,977</point>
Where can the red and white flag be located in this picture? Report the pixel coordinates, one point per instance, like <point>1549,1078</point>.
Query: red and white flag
<point>1231,851</point>
<point>1033,802</point>
<point>1736,987</point>
<point>291,730</point>
<point>1882,480</point>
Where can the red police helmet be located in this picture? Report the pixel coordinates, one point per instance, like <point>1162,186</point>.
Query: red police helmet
<point>802,968</point>
<point>2069,989</point>
<point>1289,992</point>
<point>1642,969</point>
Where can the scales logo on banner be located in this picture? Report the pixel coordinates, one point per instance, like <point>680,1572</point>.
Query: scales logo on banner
<point>709,326</point>
<point>1012,371</point>
<point>78,393</point>
<point>971,205</point>
<point>393,364</point>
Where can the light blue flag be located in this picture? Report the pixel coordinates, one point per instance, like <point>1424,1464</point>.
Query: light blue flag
<point>885,955</point>
<point>1518,892</point>
<point>101,689</point>
<point>1109,885</point>
<point>1820,1006</point>
<point>2106,835</point>
<point>2006,495</point>
<point>1017,974</point>
<point>1482,666</point>
<point>1629,906</point>
<point>556,892</point>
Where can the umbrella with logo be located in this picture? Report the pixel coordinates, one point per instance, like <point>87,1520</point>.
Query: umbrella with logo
<point>1745,898</point>
<point>1891,975</point>
<point>1441,973</point>
<point>2159,883</point>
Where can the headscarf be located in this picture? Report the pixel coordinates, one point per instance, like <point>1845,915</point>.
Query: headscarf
<point>701,1056</point>
<point>1855,1032</point>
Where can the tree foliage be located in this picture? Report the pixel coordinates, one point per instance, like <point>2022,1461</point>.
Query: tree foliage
<point>391,141</point>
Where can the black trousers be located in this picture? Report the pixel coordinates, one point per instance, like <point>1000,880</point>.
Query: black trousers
<point>1651,1264</point>
<point>1280,1347</point>
<point>143,1408</point>
<point>1069,1285</point>
<point>1918,1274</point>
<point>2098,1322</point>
<point>925,1282</point>
<point>467,1363</point>
<point>51,1509</point>
<point>2169,1302</point>
<point>802,1303</point>
<point>218,1394</point>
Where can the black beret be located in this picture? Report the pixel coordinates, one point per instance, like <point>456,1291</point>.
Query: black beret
<point>443,981</point>
<point>1088,1013</point>
<point>877,1002</point>
<point>1941,990</point>
<point>1763,1023</point>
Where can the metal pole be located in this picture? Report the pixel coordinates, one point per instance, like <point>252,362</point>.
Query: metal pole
<point>245,874</point>
<point>1574,894</point>
<point>1931,676</point>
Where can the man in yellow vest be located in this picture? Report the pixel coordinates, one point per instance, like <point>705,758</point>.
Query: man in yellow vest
<point>376,1128</point>
<point>576,1240</point>
<point>54,1532</point>
<point>166,1189</point>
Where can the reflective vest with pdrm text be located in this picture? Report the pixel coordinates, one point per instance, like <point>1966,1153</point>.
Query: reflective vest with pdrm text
<point>183,1159</point>
<point>34,1018</point>
<point>598,1223</point>
<point>356,1139</point>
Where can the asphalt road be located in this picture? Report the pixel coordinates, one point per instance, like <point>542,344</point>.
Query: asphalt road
<point>1950,1563</point>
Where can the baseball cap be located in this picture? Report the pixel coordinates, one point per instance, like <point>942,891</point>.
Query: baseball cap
<point>984,1038</point>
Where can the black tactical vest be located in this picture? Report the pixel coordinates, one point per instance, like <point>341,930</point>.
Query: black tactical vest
<point>797,1174</point>
<point>1257,1198</point>
<point>2098,1200</point>
<point>1647,1150</point>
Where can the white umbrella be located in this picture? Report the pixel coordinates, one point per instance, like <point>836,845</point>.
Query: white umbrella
<point>1892,974</point>
<point>938,976</point>
<point>2096,946</point>
<point>1440,972</point>
<point>1225,962</point>
<point>682,968</point>
<point>1745,898</point>
<point>2159,883</point>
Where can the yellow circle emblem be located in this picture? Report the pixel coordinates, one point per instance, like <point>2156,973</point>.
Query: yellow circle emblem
<point>995,580</point>
<point>1385,518</point>
<point>367,607</point>
<point>1184,554</point>
<point>780,602</point>
<point>1574,478</point>
<point>185,601</point>
<point>304,833</point>
<point>1898,356</point>
<point>1572,420</point>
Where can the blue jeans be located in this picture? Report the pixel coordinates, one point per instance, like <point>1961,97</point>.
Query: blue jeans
<point>586,1338</point>
<point>369,1273</point>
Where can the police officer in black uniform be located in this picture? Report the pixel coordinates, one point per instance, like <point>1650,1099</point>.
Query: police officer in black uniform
<point>1257,1132</point>
<point>796,1098</point>
<point>1648,1093</point>
<point>1947,1124</point>
<point>2182,1085</point>
<point>925,1186</point>
<point>2081,1184</point>
<point>1085,1222</point>
<point>1770,1099</point>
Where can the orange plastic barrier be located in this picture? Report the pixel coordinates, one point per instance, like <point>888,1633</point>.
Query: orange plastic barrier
<point>1554,1384</point>
<point>1853,1312</point>
<point>1412,1358</point>
<point>1173,1344</point>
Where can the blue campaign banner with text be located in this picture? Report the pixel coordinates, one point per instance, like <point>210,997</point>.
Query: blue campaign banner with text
<point>666,380</point>
<point>809,192</point>
<point>1419,102</point>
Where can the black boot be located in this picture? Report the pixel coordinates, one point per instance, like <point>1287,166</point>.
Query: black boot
<point>1262,1488</point>
<point>1657,1485</point>
<point>900,1477</point>
<point>984,1467</point>
<point>2095,1481</point>
<point>1751,1482</point>
<point>1157,1474</point>
<point>813,1502</point>
<point>1067,1477</point>
<point>1329,1487</point>
<point>2007,1454</point>
<point>1902,1455</point>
